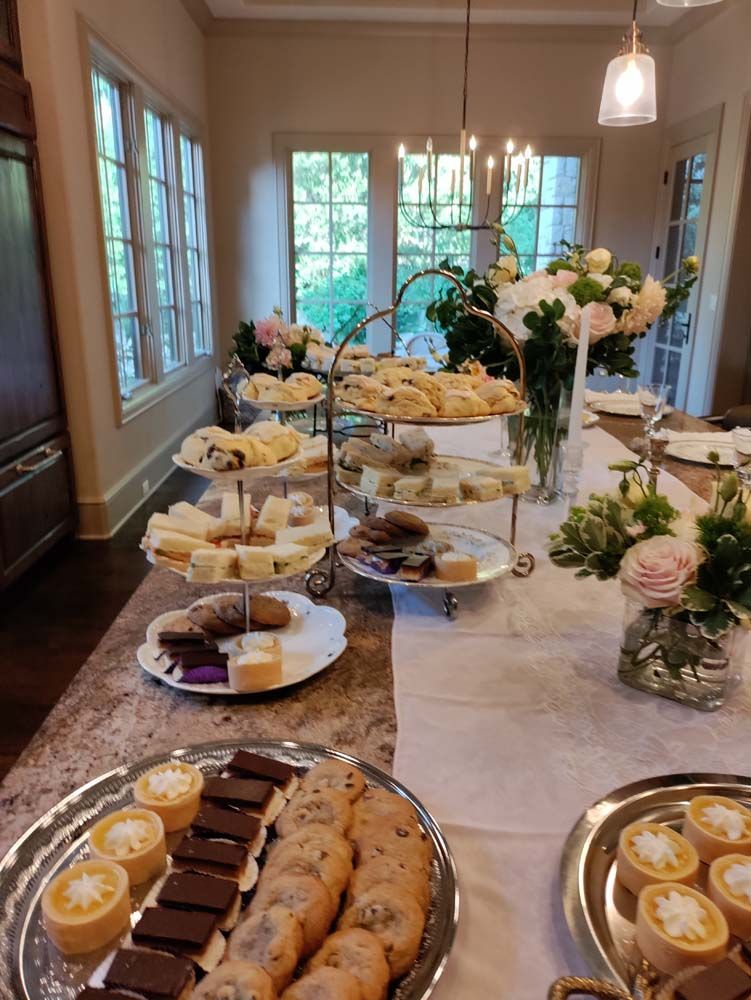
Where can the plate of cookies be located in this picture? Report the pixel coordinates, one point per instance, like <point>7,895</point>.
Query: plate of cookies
<point>263,449</point>
<point>660,871</point>
<point>299,391</point>
<point>210,648</point>
<point>401,548</point>
<point>244,869</point>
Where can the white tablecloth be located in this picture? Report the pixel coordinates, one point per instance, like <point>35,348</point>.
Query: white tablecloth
<point>511,721</point>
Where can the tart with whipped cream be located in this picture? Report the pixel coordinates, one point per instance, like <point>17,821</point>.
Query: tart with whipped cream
<point>86,906</point>
<point>172,791</point>
<point>134,838</point>
<point>729,887</point>
<point>716,826</point>
<point>676,927</point>
<point>649,853</point>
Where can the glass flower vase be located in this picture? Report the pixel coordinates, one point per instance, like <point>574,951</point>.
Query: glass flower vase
<point>669,657</point>
<point>545,430</point>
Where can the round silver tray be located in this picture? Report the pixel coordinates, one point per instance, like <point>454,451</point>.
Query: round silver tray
<point>600,913</point>
<point>31,970</point>
<point>345,407</point>
<point>280,406</point>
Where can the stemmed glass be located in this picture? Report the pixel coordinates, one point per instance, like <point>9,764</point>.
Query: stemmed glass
<point>742,446</point>
<point>653,398</point>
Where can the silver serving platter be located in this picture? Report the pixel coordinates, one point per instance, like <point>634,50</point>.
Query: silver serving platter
<point>388,418</point>
<point>30,969</point>
<point>600,913</point>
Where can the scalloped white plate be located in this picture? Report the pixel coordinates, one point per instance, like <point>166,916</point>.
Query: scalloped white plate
<point>247,475</point>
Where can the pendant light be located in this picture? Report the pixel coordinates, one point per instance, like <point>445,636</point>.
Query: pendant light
<point>629,96</point>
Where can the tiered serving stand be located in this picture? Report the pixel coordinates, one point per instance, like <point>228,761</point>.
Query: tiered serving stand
<point>322,578</point>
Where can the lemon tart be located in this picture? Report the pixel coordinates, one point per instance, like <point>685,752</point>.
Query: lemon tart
<point>134,838</point>
<point>677,927</point>
<point>649,853</point>
<point>172,791</point>
<point>716,826</point>
<point>729,887</point>
<point>86,906</point>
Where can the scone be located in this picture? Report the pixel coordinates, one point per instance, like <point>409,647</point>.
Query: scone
<point>360,953</point>
<point>338,774</point>
<point>281,440</point>
<point>432,388</point>
<point>393,915</point>
<point>387,868</point>
<point>280,392</point>
<point>306,382</point>
<point>393,377</point>
<point>406,401</point>
<point>677,927</point>
<point>273,939</point>
<point>649,853</point>
<point>325,983</point>
<point>729,887</point>
<point>501,395</point>
<point>306,896</point>
<point>324,805</point>
<point>454,380</point>
<point>463,403</point>
<point>292,859</point>
<point>236,981</point>
<point>716,825</point>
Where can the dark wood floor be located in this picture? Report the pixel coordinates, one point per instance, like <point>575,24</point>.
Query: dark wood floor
<point>53,617</point>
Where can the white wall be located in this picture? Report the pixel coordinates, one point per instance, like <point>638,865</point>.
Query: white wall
<point>161,40</point>
<point>267,78</point>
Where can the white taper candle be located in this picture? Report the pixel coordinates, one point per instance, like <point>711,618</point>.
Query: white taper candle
<point>580,378</point>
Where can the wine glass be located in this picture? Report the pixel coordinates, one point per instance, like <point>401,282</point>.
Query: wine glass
<point>653,398</point>
<point>742,446</point>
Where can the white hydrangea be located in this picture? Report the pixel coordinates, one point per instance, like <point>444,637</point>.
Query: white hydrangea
<point>516,300</point>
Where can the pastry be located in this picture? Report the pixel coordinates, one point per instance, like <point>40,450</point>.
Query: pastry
<point>253,765</point>
<point>269,611</point>
<point>280,392</point>
<point>378,482</point>
<point>261,379</point>
<point>393,377</point>
<point>476,487</point>
<point>217,857</point>
<point>405,401</point>
<point>209,566</point>
<point>360,953</point>
<point>386,868</point>
<point>724,981</point>
<point>236,981</point>
<point>309,384</point>
<point>463,403</point>
<point>338,774</point>
<point>299,516</point>
<point>444,488</point>
<point>677,927</point>
<point>86,906</point>
<point>716,825</point>
<point>501,395</point>
<point>273,939</point>
<point>240,453</point>
<point>454,380</point>
<point>649,853</point>
<point>193,447</point>
<point>323,805</point>
<point>250,795</point>
<point>317,838</point>
<point>229,824</point>
<point>416,567</point>
<point>306,896</point>
<point>259,666</point>
<point>183,932</point>
<point>729,887</point>
<point>150,974</point>
<point>134,838</point>
<point>255,562</point>
<point>315,535</point>
<point>433,389</point>
<point>326,983</point>
<point>281,440</point>
<point>456,567</point>
<point>412,361</point>
<point>229,607</point>
<point>172,791</point>
<point>314,456</point>
<point>410,523</point>
<point>272,516</point>
<point>296,859</point>
<point>205,893</point>
<point>393,915</point>
<point>410,488</point>
<point>361,391</point>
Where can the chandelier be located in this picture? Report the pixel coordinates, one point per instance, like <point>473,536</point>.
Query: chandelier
<point>629,94</point>
<point>431,207</point>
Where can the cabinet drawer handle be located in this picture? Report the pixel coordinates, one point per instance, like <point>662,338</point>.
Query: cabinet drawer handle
<point>46,457</point>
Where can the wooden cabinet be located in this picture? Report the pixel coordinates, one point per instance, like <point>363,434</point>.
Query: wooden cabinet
<point>10,41</point>
<point>36,501</point>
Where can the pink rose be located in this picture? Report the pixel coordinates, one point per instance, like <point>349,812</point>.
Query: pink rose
<point>654,572</point>
<point>563,278</point>
<point>602,321</point>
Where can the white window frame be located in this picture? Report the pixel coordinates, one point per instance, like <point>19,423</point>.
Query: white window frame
<point>383,207</point>
<point>137,94</point>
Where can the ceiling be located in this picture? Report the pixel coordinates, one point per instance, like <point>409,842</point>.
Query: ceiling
<point>540,12</point>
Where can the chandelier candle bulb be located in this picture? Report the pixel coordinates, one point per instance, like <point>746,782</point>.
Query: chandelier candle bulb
<point>462,155</point>
<point>489,186</point>
<point>580,378</point>
<point>527,158</point>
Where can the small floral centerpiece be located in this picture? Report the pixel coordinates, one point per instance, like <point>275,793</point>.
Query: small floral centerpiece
<point>687,580</point>
<point>544,310</point>
<point>272,344</point>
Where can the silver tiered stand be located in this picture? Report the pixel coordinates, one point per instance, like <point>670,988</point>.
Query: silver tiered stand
<point>321,578</point>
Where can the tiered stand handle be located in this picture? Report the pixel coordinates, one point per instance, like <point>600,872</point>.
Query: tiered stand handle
<point>319,580</point>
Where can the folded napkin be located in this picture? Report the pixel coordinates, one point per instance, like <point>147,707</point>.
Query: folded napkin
<point>701,437</point>
<point>593,396</point>
<point>626,403</point>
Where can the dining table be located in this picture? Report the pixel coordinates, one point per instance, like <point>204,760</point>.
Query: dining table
<point>506,721</point>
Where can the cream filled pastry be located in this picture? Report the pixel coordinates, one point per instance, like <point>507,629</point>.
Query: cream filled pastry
<point>677,927</point>
<point>649,853</point>
<point>172,791</point>
<point>86,906</point>
<point>729,887</point>
<point>716,825</point>
<point>134,838</point>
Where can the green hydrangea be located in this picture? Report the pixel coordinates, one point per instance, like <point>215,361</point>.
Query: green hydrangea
<point>586,290</point>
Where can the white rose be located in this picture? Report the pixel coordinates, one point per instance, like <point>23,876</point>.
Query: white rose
<point>604,280</point>
<point>598,261</point>
<point>503,271</point>
<point>621,296</point>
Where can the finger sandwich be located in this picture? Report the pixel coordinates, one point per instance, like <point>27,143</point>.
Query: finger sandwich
<point>272,516</point>
<point>185,511</point>
<point>479,487</point>
<point>181,526</point>
<point>312,535</point>
<point>211,565</point>
<point>230,514</point>
<point>288,557</point>
<point>378,482</point>
<point>254,562</point>
<point>410,487</point>
<point>172,547</point>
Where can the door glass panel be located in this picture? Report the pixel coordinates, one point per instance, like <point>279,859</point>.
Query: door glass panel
<point>679,325</point>
<point>674,244</point>
<point>698,165</point>
<point>689,240</point>
<point>663,329</point>
<point>658,365</point>
<point>694,199</point>
<point>673,374</point>
<point>682,170</point>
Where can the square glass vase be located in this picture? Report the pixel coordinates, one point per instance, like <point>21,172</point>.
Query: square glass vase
<point>668,657</point>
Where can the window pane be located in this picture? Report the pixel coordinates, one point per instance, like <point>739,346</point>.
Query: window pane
<point>310,177</point>
<point>168,328</point>
<point>312,276</point>
<point>349,178</point>
<point>126,337</point>
<point>189,210</point>
<point>679,188</point>
<point>350,277</point>
<point>556,224</point>
<point>312,225</point>
<point>313,313</point>
<point>155,145</point>
<point>186,162</point>
<point>194,214</point>
<point>523,229</point>
<point>560,180</point>
<point>350,228</point>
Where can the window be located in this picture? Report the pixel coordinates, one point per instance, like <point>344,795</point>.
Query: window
<point>548,213</point>
<point>157,262</point>
<point>330,239</point>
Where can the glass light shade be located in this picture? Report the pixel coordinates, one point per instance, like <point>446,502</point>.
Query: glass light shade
<point>629,96</point>
<point>686,3</point>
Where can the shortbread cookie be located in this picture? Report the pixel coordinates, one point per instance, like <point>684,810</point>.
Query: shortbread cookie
<point>269,611</point>
<point>273,939</point>
<point>336,774</point>
<point>236,981</point>
<point>292,859</point>
<point>360,953</point>
<point>325,984</point>
<point>307,897</point>
<point>323,805</point>
<point>386,868</point>
<point>394,916</point>
<point>317,837</point>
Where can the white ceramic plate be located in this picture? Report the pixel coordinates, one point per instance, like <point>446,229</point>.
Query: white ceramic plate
<point>315,556</point>
<point>622,404</point>
<point>312,640</point>
<point>247,475</point>
<point>300,404</point>
<point>495,558</point>
<point>697,451</point>
<point>344,407</point>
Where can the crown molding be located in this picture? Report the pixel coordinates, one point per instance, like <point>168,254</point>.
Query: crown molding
<point>199,13</point>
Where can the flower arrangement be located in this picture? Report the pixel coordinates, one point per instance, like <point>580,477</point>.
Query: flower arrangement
<point>688,577</point>
<point>273,344</point>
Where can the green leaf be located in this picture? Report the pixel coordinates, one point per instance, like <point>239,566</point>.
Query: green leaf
<point>594,534</point>
<point>696,599</point>
<point>727,553</point>
<point>626,465</point>
<point>741,612</point>
<point>716,624</point>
